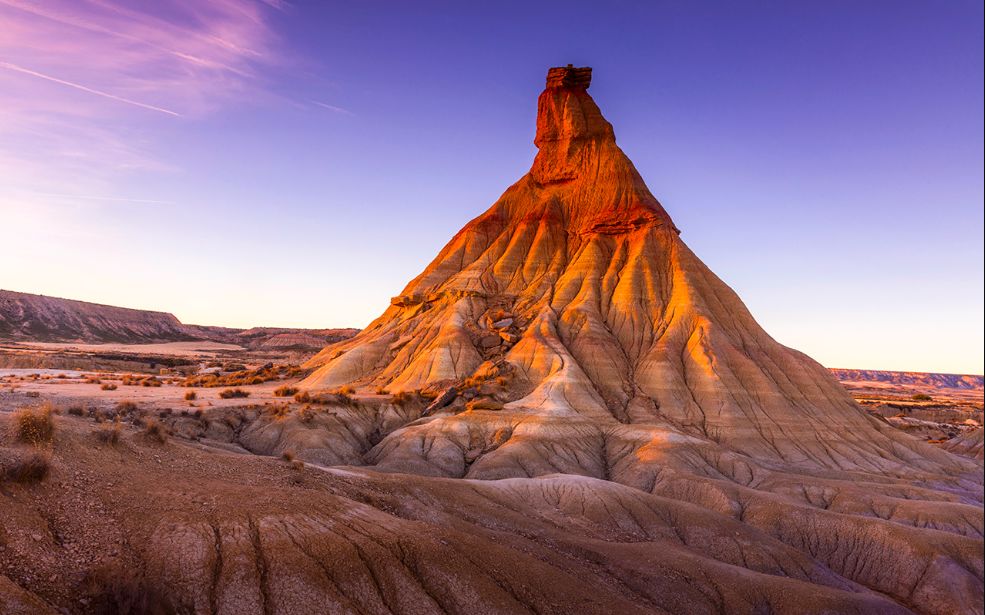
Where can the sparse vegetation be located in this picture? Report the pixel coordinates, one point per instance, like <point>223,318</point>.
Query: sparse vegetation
<point>285,391</point>
<point>345,390</point>
<point>108,386</point>
<point>126,407</point>
<point>33,394</point>
<point>233,393</point>
<point>155,432</point>
<point>287,455</point>
<point>381,390</point>
<point>35,425</point>
<point>190,395</point>
<point>109,434</point>
<point>76,410</point>
<point>31,468</point>
<point>922,397</point>
<point>245,377</point>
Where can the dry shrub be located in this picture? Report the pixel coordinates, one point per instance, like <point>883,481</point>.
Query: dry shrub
<point>109,434</point>
<point>381,390</point>
<point>34,394</point>
<point>306,414</point>
<point>285,391</point>
<point>303,397</point>
<point>484,404</point>
<point>93,380</point>
<point>155,432</point>
<point>279,411</point>
<point>76,410</point>
<point>345,390</point>
<point>233,393</point>
<point>403,397</point>
<point>297,465</point>
<point>31,468</point>
<point>287,455</point>
<point>108,386</point>
<point>35,425</point>
<point>126,407</point>
<point>190,396</point>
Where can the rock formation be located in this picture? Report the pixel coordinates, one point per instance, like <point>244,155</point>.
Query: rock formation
<point>574,302</point>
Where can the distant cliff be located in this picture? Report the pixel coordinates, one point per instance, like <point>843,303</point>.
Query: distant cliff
<point>36,318</point>
<point>26,317</point>
<point>937,381</point>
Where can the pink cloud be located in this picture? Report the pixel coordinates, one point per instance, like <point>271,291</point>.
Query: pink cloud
<point>85,84</point>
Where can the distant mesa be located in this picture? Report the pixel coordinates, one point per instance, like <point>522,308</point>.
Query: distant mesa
<point>26,317</point>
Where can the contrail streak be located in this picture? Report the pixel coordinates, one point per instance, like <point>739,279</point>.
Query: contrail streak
<point>20,69</point>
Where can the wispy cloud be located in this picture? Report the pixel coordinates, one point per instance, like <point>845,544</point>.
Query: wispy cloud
<point>331,107</point>
<point>78,86</point>
<point>87,87</point>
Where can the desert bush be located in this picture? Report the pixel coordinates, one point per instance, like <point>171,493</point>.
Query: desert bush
<point>297,465</point>
<point>76,410</point>
<point>922,397</point>
<point>33,394</point>
<point>150,382</point>
<point>233,393</point>
<point>303,397</point>
<point>287,455</point>
<point>190,395</point>
<point>93,380</point>
<point>381,390</point>
<point>306,414</point>
<point>285,391</point>
<point>31,468</point>
<point>126,407</point>
<point>109,386</point>
<point>109,434</point>
<point>483,403</point>
<point>345,390</point>
<point>35,425</point>
<point>155,432</point>
<point>403,397</point>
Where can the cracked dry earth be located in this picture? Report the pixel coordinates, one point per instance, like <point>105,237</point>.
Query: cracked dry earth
<point>613,433</point>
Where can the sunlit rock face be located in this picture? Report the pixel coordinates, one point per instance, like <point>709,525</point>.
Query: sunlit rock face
<point>574,297</point>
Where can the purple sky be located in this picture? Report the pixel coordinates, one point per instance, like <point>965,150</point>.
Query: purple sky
<point>295,163</point>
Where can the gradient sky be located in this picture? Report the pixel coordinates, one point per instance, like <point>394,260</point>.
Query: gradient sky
<point>296,163</point>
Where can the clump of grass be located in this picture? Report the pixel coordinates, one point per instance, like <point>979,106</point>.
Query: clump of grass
<point>287,456</point>
<point>35,425</point>
<point>126,407</point>
<point>403,397</point>
<point>233,393</point>
<point>922,397</point>
<point>297,465</point>
<point>190,396</point>
<point>30,469</point>
<point>285,391</point>
<point>381,390</point>
<point>108,386</point>
<point>303,397</point>
<point>34,394</point>
<point>345,390</point>
<point>155,432</point>
<point>109,434</point>
<point>76,410</point>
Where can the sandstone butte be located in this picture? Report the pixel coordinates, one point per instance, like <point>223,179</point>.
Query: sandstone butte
<point>658,451</point>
